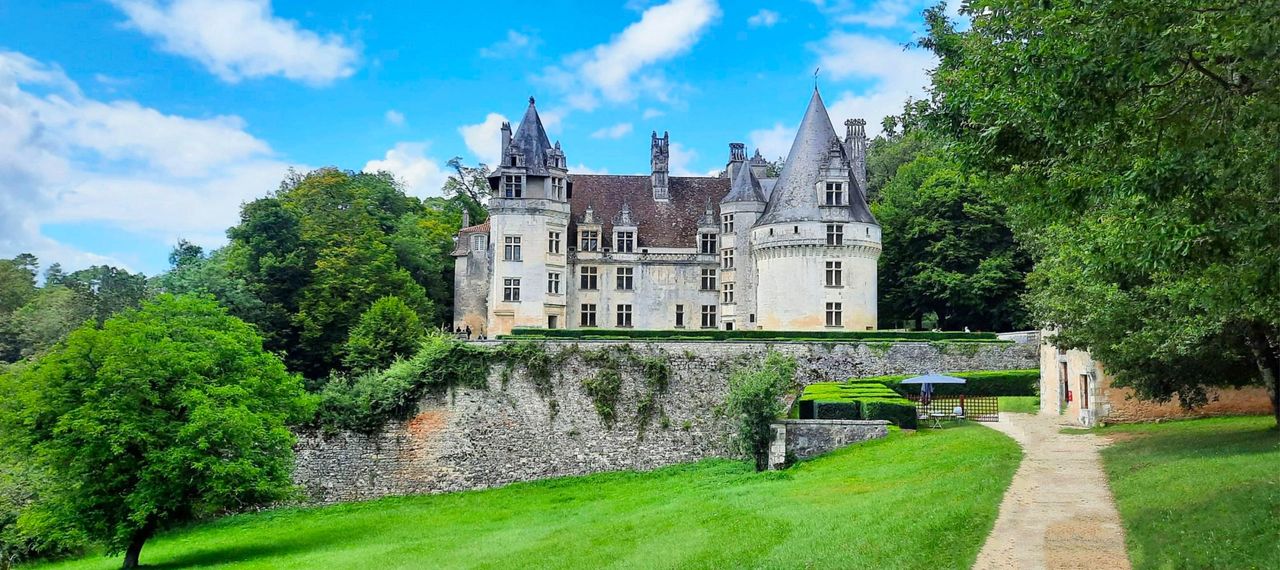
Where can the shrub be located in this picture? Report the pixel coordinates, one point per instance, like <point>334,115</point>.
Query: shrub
<point>387,330</point>
<point>604,389</point>
<point>1024,382</point>
<point>754,402</point>
<point>835,409</point>
<point>901,413</point>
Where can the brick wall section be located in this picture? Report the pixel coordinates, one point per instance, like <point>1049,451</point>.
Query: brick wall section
<point>476,438</point>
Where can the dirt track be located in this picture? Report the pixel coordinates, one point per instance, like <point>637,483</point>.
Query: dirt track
<point>1058,512</point>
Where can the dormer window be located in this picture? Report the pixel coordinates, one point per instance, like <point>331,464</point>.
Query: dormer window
<point>589,240</point>
<point>557,188</point>
<point>512,186</point>
<point>835,194</point>
<point>477,242</point>
<point>625,242</point>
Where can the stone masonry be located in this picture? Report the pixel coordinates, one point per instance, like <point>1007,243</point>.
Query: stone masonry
<point>469,438</point>
<point>802,439</point>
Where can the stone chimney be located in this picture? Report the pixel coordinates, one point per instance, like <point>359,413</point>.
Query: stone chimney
<point>506,138</point>
<point>855,141</point>
<point>659,158</point>
<point>466,217</point>
<point>737,156</point>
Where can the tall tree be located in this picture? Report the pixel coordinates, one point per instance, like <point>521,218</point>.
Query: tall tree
<point>165,414</point>
<point>1136,145</point>
<point>388,330</point>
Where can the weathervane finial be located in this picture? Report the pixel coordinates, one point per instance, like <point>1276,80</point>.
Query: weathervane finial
<point>815,77</point>
<point>531,99</point>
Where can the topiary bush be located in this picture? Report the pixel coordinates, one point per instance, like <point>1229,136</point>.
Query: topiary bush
<point>1025,382</point>
<point>901,413</point>
<point>617,334</point>
<point>835,410</point>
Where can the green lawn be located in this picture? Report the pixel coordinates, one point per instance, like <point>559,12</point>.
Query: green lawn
<point>1020,404</point>
<point>1198,493</point>
<point>922,500</point>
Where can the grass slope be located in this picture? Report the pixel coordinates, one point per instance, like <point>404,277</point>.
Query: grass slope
<point>1020,404</point>
<point>923,500</point>
<point>1198,493</point>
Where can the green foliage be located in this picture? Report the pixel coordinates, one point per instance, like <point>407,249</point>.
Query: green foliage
<point>329,244</point>
<point>604,389</point>
<point>193,273</point>
<point>754,402</point>
<point>46,319</point>
<point>898,411</point>
<point>1024,382</point>
<point>1134,145</point>
<point>17,282</point>
<point>836,410</point>
<point>388,330</point>
<point>165,414</point>
<point>365,402</point>
<point>721,335</point>
<point>948,252</point>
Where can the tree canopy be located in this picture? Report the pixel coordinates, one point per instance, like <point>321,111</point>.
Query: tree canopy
<point>161,415</point>
<point>1136,146</point>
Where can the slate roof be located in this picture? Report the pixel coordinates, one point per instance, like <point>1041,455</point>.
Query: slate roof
<point>746,187</point>
<point>670,224</point>
<point>532,141</point>
<point>794,196</point>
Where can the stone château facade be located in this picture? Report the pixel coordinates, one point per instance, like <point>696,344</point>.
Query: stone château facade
<point>741,250</point>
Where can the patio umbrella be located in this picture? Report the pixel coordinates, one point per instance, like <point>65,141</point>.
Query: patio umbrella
<point>928,380</point>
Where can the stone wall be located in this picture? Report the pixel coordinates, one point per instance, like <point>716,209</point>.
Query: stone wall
<point>470,438</point>
<point>802,439</point>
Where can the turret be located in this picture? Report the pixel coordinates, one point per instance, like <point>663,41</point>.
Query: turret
<point>659,158</point>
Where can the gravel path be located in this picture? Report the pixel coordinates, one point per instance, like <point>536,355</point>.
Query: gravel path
<point>1058,512</point>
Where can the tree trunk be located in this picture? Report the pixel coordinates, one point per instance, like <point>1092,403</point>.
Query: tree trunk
<point>1265,345</point>
<point>135,549</point>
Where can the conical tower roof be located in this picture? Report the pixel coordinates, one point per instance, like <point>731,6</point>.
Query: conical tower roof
<point>795,195</point>
<point>532,141</point>
<point>745,187</point>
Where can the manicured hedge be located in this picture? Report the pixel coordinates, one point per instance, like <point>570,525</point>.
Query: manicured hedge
<point>901,412</point>
<point>980,383</point>
<point>707,334</point>
<point>836,410</point>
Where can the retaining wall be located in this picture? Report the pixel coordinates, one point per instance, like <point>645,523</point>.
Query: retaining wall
<point>469,438</point>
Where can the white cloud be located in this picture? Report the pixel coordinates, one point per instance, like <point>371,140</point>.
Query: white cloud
<point>890,72</point>
<point>65,158</point>
<point>615,71</point>
<point>765,18</point>
<point>239,39</point>
<point>484,139</point>
<point>680,159</point>
<point>652,113</point>
<point>515,44</point>
<point>394,118</point>
<point>421,176</point>
<point>584,169</point>
<point>613,132</point>
<point>773,142</point>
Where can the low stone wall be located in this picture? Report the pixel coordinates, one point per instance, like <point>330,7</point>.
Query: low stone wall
<point>513,430</point>
<point>802,439</point>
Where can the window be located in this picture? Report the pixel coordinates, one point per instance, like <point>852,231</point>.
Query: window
<point>588,315</point>
<point>834,274</point>
<point>553,321</point>
<point>708,280</point>
<point>511,289</point>
<point>835,234</point>
<point>708,316</point>
<point>728,326</point>
<point>626,242</point>
<point>553,242</point>
<point>835,194</point>
<point>728,223</point>
<point>589,240</point>
<point>626,278</point>
<point>511,248</point>
<point>512,186</point>
<point>728,293</point>
<point>557,188</point>
<point>679,316</point>
<point>624,315</point>
<point>833,315</point>
<point>553,283</point>
<point>726,258</point>
<point>707,242</point>
<point>477,242</point>
<point>588,278</point>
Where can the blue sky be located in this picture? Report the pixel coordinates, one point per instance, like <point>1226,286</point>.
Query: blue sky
<point>128,124</point>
